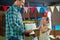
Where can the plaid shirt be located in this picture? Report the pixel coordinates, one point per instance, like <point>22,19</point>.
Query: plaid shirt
<point>14,26</point>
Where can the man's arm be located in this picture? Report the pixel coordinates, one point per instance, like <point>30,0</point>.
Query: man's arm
<point>18,24</point>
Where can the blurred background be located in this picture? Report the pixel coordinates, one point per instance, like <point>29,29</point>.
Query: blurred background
<point>37,9</point>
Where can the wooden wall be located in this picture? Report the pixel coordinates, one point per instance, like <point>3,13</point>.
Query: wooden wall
<point>2,23</point>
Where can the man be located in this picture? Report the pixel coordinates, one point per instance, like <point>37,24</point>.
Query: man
<point>14,26</point>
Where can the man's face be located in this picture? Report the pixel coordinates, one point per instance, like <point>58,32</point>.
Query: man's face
<point>22,2</point>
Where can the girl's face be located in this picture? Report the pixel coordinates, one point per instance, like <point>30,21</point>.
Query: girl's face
<point>44,20</point>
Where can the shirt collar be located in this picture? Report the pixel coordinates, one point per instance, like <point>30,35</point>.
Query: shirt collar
<point>15,6</point>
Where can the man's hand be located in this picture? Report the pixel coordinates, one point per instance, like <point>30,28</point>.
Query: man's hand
<point>28,31</point>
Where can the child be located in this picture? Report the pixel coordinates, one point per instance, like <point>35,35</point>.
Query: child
<point>44,29</point>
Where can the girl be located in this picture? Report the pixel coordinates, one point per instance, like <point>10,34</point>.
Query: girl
<point>44,27</point>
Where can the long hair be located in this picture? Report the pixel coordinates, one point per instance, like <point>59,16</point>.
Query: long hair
<point>47,19</point>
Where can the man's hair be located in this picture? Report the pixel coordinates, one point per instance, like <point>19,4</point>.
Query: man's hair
<point>15,0</point>
<point>19,0</point>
